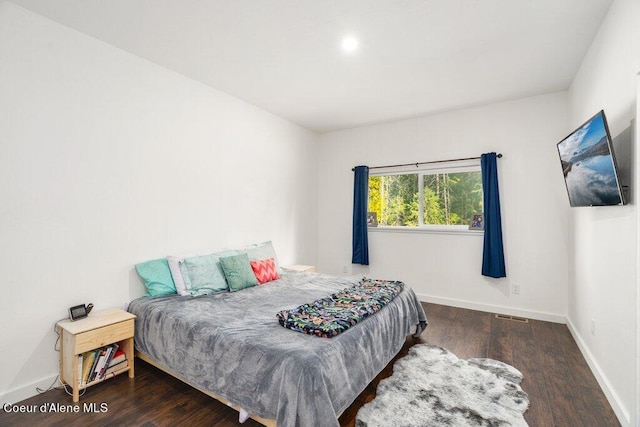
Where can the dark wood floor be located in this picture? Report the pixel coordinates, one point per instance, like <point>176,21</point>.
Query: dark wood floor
<point>562,389</point>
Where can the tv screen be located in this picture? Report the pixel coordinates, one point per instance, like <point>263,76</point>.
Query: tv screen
<point>589,165</point>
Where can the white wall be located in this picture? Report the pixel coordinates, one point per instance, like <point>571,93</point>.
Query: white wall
<point>446,268</point>
<point>108,160</point>
<point>603,284</point>
<point>636,156</point>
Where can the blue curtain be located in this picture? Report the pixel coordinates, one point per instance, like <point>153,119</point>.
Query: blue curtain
<point>360,244</point>
<point>493,253</point>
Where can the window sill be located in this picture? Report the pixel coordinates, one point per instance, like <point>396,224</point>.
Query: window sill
<point>443,229</point>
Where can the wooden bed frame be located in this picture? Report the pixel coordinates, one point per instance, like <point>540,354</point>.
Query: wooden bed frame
<point>268,422</point>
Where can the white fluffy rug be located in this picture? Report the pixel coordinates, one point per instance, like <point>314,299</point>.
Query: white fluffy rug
<point>432,387</point>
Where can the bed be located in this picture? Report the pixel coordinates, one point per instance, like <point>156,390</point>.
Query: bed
<point>231,346</point>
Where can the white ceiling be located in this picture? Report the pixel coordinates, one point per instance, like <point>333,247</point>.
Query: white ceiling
<point>416,56</point>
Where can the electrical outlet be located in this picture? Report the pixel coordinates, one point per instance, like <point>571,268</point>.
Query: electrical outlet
<point>593,327</point>
<point>345,270</point>
<point>515,289</point>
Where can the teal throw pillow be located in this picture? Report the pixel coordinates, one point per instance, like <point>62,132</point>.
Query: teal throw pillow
<point>238,272</point>
<point>157,277</point>
<point>203,274</point>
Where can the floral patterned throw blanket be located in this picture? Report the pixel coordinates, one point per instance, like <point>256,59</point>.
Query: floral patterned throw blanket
<point>330,316</point>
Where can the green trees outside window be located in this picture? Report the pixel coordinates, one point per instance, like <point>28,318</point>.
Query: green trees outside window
<point>426,198</point>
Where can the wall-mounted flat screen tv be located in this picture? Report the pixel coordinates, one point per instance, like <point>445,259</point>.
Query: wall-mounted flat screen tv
<point>589,165</point>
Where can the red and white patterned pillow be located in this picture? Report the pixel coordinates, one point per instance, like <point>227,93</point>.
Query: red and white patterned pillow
<point>265,270</point>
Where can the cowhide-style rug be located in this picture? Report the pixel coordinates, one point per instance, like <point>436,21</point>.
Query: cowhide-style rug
<point>432,387</point>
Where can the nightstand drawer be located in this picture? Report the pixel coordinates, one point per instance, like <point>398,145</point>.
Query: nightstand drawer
<point>99,337</point>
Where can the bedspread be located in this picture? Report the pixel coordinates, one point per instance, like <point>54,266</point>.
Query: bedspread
<point>232,345</point>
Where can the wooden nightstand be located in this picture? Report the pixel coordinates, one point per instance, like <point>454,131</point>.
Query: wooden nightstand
<point>98,330</point>
<point>301,268</point>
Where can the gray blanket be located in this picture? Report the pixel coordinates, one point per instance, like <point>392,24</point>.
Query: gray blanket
<point>232,345</point>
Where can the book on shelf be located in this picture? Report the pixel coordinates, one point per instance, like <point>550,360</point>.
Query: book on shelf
<point>87,364</point>
<point>101,354</point>
<point>118,357</point>
<point>110,351</point>
<point>95,364</point>
<point>80,361</point>
<point>117,367</point>
<point>96,356</point>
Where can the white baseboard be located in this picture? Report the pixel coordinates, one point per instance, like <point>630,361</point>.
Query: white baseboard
<point>621,412</point>
<point>498,309</point>
<point>27,391</point>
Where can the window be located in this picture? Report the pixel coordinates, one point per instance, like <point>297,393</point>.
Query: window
<point>437,198</point>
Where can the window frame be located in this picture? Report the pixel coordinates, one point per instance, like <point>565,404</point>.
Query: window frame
<point>454,166</point>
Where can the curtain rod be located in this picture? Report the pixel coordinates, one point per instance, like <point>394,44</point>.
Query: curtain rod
<point>499,155</point>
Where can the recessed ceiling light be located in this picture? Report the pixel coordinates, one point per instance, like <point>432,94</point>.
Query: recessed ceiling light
<point>349,44</point>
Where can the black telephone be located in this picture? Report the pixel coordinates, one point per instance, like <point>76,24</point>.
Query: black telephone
<point>80,311</point>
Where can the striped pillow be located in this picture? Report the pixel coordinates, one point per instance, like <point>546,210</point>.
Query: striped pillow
<point>265,270</point>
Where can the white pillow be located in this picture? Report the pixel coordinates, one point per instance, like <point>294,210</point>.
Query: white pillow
<point>260,251</point>
<point>176,274</point>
